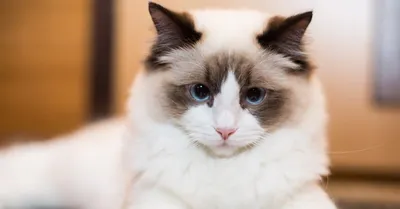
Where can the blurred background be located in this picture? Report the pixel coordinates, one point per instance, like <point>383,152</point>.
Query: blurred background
<point>66,63</point>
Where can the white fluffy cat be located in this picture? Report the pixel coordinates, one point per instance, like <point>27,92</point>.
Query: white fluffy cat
<point>227,114</point>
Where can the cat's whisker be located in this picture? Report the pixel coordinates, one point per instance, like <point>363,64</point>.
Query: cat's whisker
<point>357,150</point>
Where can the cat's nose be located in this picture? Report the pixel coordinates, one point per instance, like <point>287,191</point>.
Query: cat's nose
<point>225,132</point>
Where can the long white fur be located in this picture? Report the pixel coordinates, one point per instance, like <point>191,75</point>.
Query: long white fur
<point>79,169</point>
<point>85,168</point>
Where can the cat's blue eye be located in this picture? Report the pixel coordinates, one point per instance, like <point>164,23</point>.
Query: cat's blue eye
<point>200,92</point>
<point>255,96</point>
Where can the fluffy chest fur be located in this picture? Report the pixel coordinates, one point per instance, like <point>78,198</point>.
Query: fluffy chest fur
<point>259,178</point>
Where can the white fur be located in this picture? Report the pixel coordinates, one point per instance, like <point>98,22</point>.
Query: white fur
<point>167,169</point>
<point>79,169</point>
<point>229,30</point>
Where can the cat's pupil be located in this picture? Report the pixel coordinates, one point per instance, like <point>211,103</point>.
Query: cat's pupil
<point>201,91</point>
<point>254,94</point>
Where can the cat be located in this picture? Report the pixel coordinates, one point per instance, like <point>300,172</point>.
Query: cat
<point>228,112</point>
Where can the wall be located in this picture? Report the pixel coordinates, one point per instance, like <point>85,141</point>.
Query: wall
<point>363,136</point>
<point>44,55</point>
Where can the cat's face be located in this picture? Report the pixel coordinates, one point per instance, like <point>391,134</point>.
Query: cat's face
<point>229,83</point>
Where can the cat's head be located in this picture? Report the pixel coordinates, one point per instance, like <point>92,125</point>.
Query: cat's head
<point>228,78</point>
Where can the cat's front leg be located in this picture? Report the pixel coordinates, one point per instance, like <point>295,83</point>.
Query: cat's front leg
<point>154,199</point>
<point>312,197</point>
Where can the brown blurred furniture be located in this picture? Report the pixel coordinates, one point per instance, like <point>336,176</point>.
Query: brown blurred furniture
<point>44,66</point>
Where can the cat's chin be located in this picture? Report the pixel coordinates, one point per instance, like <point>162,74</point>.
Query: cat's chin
<point>223,150</point>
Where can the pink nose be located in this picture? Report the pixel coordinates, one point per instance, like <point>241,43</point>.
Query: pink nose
<point>225,132</point>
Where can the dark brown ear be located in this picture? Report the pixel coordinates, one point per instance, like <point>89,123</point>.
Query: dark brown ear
<point>174,30</point>
<point>285,35</point>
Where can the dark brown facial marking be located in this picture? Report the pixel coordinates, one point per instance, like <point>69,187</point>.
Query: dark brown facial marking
<point>174,30</point>
<point>270,112</point>
<point>285,36</point>
<point>178,100</point>
<point>217,69</point>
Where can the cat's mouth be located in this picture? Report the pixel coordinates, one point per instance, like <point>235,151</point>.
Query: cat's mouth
<point>230,147</point>
<point>223,144</point>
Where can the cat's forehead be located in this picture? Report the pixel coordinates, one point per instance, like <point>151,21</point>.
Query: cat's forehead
<point>193,67</point>
<point>229,29</point>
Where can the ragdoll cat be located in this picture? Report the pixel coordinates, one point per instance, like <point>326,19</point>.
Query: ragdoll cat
<point>227,114</point>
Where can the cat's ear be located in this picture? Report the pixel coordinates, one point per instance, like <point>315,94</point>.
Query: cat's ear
<point>285,35</point>
<point>174,30</point>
